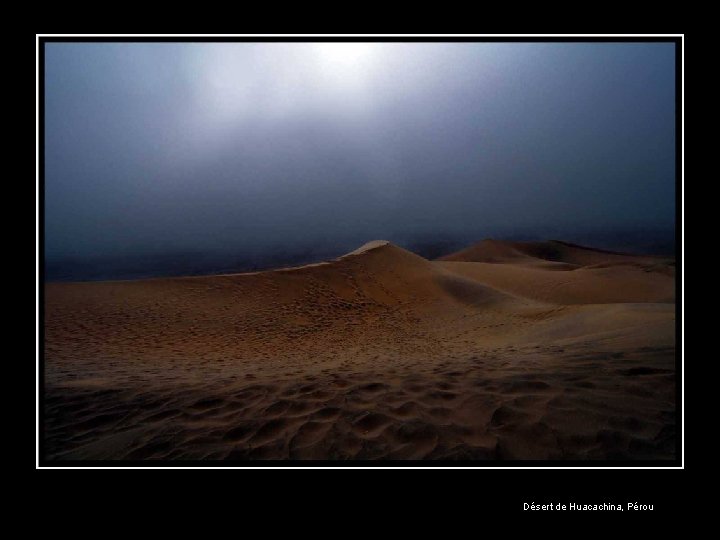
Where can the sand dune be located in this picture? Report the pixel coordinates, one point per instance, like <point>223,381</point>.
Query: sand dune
<point>584,275</point>
<point>585,285</point>
<point>377,354</point>
<point>548,255</point>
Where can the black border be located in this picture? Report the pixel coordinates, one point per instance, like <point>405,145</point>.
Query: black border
<point>43,462</point>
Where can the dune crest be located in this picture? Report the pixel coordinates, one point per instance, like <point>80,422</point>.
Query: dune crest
<point>374,244</point>
<point>548,254</point>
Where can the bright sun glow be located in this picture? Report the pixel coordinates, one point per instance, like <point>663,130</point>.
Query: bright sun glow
<point>345,55</point>
<point>346,67</point>
<point>277,80</point>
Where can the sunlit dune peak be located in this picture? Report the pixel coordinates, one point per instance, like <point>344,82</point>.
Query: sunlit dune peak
<point>368,246</point>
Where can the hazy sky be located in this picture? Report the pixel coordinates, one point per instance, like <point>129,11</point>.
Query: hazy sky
<point>158,147</point>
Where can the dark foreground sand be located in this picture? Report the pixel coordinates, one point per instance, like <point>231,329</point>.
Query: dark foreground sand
<point>502,351</point>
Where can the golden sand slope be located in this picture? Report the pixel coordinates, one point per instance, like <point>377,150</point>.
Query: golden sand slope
<point>378,354</point>
<point>588,285</point>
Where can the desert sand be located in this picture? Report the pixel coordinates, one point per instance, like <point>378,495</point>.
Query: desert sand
<point>505,350</point>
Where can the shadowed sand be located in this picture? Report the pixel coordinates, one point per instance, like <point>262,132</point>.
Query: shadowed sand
<point>505,350</point>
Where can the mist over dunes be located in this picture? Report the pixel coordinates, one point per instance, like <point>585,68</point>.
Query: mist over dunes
<point>239,257</point>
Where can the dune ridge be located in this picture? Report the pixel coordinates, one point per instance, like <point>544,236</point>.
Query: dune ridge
<point>378,354</point>
<point>547,255</point>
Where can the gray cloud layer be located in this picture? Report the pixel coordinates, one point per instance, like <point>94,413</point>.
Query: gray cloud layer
<point>156,147</point>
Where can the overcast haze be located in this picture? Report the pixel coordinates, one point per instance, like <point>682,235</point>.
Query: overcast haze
<point>154,148</point>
